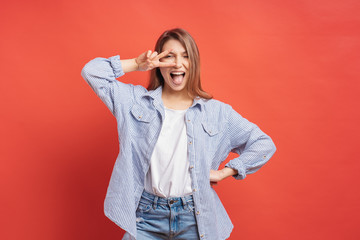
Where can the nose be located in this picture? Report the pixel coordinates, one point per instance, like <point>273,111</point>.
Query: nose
<point>178,62</point>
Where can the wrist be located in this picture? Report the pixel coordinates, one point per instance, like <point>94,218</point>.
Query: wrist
<point>136,65</point>
<point>129,65</point>
<point>227,172</point>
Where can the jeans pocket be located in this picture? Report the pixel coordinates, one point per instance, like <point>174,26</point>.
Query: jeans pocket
<point>144,207</point>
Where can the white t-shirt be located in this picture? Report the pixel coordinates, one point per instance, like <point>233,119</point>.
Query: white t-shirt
<point>169,175</point>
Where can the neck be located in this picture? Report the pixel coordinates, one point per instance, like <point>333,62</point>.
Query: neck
<point>176,100</point>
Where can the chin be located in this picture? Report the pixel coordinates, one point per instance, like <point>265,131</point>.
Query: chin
<point>177,88</point>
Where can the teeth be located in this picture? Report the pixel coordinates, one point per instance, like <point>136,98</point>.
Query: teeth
<point>177,73</point>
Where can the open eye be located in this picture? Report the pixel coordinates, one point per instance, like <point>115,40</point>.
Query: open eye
<point>168,57</point>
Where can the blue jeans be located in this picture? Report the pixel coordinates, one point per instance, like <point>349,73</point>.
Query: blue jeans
<point>166,218</point>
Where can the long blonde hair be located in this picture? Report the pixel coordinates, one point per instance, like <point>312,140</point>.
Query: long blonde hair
<point>194,85</point>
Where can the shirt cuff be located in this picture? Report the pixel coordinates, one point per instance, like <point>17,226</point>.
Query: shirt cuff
<point>239,166</point>
<point>116,65</point>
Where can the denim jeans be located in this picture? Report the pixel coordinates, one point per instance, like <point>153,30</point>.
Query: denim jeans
<point>166,218</point>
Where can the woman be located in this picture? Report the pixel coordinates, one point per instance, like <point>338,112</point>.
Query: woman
<point>173,136</point>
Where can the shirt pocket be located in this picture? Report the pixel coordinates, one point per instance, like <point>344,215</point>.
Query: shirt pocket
<point>141,120</point>
<point>213,135</point>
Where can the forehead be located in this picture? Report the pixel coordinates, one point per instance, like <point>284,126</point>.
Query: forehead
<point>175,45</point>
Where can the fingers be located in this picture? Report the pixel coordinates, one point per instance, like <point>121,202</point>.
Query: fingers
<point>148,54</point>
<point>153,55</point>
<point>152,59</point>
<point>164,64</point>
<point>164,53</point>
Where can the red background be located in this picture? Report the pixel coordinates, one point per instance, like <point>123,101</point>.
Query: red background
<point>292,67</point>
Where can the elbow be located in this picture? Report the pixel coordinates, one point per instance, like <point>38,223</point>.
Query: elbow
<point>268,146</point>
<point>272,147</point>
<point>90,68</point>
<point>267,143</point>
<point>86,70</point>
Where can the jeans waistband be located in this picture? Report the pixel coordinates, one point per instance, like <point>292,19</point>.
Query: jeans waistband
<point>171,201</point>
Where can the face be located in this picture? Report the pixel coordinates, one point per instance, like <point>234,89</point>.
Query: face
<point>176,77</point>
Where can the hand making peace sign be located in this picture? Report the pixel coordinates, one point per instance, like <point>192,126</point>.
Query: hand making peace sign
<point>150,60</point>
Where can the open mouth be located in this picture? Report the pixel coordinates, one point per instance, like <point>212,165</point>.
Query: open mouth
<point>177,74</point>
<point>177,77</point>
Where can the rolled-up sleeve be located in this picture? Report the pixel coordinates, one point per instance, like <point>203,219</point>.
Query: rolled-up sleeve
<point>254,147</point>
<point>101,74</point>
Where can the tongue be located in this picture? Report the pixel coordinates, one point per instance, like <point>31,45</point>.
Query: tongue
<point>177,79</point>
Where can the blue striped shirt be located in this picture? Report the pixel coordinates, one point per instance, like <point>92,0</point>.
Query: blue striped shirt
<point>214,130</point>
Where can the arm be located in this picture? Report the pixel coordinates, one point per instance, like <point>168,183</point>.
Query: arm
<point>101,74</point>
<point>219,175</point>
<point>246,139</point>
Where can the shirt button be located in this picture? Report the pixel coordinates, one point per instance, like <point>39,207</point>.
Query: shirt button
<point>190,142</point>
<point>140,117</point>
<point>191,167</point>
<point>198,212</point>
<point>264,156</point>
<point>194,189</point>
<point>202,235</point>
<point>188,120</point>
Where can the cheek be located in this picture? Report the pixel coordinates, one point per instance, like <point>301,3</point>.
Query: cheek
<point>163,73</point>
<point>187,65</point>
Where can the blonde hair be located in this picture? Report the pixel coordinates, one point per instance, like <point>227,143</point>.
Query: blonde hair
<point>194,88</point>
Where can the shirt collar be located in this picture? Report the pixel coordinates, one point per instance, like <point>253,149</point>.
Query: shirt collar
<point>198,101</point>
<point>156,96</point>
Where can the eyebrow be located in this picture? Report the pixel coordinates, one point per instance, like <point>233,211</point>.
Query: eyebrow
<point>184,52</point>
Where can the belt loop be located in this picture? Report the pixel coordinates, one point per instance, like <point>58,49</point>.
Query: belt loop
<point>155,202</point>
<point>183,202</point>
